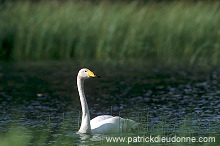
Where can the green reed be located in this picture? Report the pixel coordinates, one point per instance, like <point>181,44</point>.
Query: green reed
<point>168,32</point>
<point>65,134</point>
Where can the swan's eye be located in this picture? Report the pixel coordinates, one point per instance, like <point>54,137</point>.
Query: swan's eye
<point>85,71</point>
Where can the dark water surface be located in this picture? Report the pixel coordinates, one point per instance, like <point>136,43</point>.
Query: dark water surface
<point>42,98</point>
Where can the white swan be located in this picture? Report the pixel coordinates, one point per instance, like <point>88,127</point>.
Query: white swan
<point>104,124</point>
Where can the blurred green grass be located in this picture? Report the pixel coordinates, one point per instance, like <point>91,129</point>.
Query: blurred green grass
<point>176,32</point>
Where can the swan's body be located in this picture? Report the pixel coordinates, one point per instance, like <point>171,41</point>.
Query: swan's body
<point>104,124</point>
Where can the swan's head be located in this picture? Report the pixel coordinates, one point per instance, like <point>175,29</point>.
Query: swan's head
<point>86,73</point>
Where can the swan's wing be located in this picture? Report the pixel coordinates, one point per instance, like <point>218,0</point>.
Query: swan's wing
<point>114,125</point>
<point>106,126</point>
<point>99,119</point>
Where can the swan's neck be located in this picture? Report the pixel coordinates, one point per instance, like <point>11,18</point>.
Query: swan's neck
<point>85,124</point>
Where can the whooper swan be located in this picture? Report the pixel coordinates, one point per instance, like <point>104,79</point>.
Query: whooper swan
<point>104,124</point>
